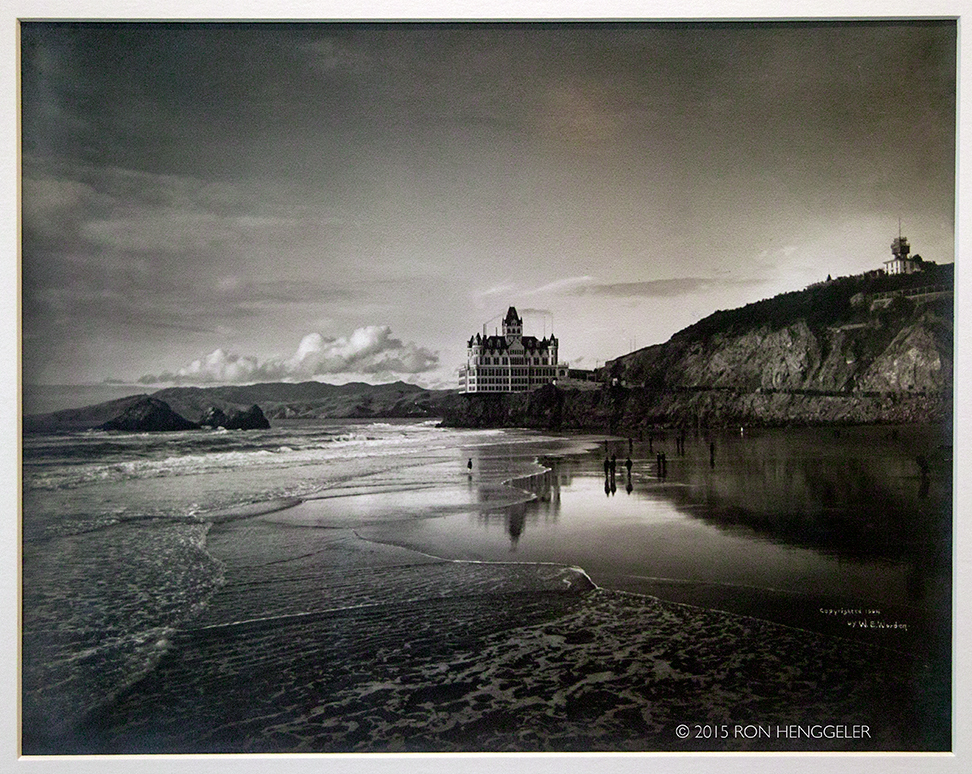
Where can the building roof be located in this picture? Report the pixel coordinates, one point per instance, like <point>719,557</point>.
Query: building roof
<point>512,318</point>
<point>499,343</point>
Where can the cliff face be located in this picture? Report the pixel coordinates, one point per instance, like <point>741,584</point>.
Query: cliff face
<point>906,355</point>
<point>829,354</point>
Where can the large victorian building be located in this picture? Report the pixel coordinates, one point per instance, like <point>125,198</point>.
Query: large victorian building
<point>510,362</point>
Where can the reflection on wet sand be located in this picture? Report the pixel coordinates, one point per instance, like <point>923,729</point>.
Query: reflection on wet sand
<point>786,522</point>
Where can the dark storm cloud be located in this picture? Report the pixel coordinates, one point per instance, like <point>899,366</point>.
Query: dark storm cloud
<point>239,178</point>
<point>104,245</point>
<point>150,300</point>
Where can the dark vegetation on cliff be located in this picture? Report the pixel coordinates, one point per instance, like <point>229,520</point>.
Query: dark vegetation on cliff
<point>827,304</point>
<point>836,338</point>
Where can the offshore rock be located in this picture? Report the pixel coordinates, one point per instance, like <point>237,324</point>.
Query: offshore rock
<point>149,415</point>
<point>213,417</point>
<point>248,419</point>
<point>75,420</point>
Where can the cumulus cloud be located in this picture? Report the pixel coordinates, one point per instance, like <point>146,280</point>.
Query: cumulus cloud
<point>371,351</point>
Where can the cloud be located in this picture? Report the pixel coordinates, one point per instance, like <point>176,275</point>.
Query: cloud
<point>571,285</point>
<point>533,310</point>
<point>497,290</point>
<point>125,211</point>
<point>371,351</point>
<point>665,288</point>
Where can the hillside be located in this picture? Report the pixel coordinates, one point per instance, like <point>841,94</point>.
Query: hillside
<point>838,337</point>
<point>839,352</point>
<point>308,400</point>
<point>81,418</point>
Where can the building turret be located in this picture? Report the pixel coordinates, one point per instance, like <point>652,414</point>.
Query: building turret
<point>900,247</point>
<point>512,325</point>
<point>475,346</point>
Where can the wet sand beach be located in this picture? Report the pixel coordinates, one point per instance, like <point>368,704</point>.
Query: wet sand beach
<point>321,641</point>
<point>414,604</point>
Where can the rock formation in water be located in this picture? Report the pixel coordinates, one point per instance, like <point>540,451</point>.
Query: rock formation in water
<point>216,406</point>
<point>148,415</point>
<point>140,414</point>
<point>213,417</point>
<point>85,418</point>
<point>248,419</point>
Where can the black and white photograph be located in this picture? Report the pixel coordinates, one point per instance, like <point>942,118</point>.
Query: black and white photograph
<point>486,386</point>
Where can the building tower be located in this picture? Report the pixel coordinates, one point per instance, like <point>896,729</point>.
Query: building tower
<point>901,261</point>
<point>512,325</point>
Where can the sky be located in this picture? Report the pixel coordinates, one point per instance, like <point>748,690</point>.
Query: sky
<point>237,203</point>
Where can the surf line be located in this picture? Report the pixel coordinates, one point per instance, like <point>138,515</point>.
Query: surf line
<point>248,510</point>
<point>574,568</point>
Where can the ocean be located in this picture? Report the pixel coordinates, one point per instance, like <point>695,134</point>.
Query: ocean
<point>839,532</point>
<point>115,528</point>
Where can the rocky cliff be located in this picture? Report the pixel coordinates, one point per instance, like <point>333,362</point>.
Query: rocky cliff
<point>854,350</point>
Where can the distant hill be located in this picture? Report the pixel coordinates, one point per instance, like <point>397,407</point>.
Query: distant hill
<point>311,400</point>
<point>308,400</point>
<point>83,418</point>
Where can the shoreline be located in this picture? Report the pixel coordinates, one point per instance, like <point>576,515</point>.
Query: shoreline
<point>463,647</point>
<point>361,646</point>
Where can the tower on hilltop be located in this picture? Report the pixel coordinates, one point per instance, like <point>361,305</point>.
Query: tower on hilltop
<point>901,261</point>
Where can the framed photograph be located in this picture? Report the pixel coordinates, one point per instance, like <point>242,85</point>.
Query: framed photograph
<point>412,389</point>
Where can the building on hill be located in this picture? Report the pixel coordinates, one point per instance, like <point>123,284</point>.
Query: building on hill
<point>510,362</point>
<point>901,262</point>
